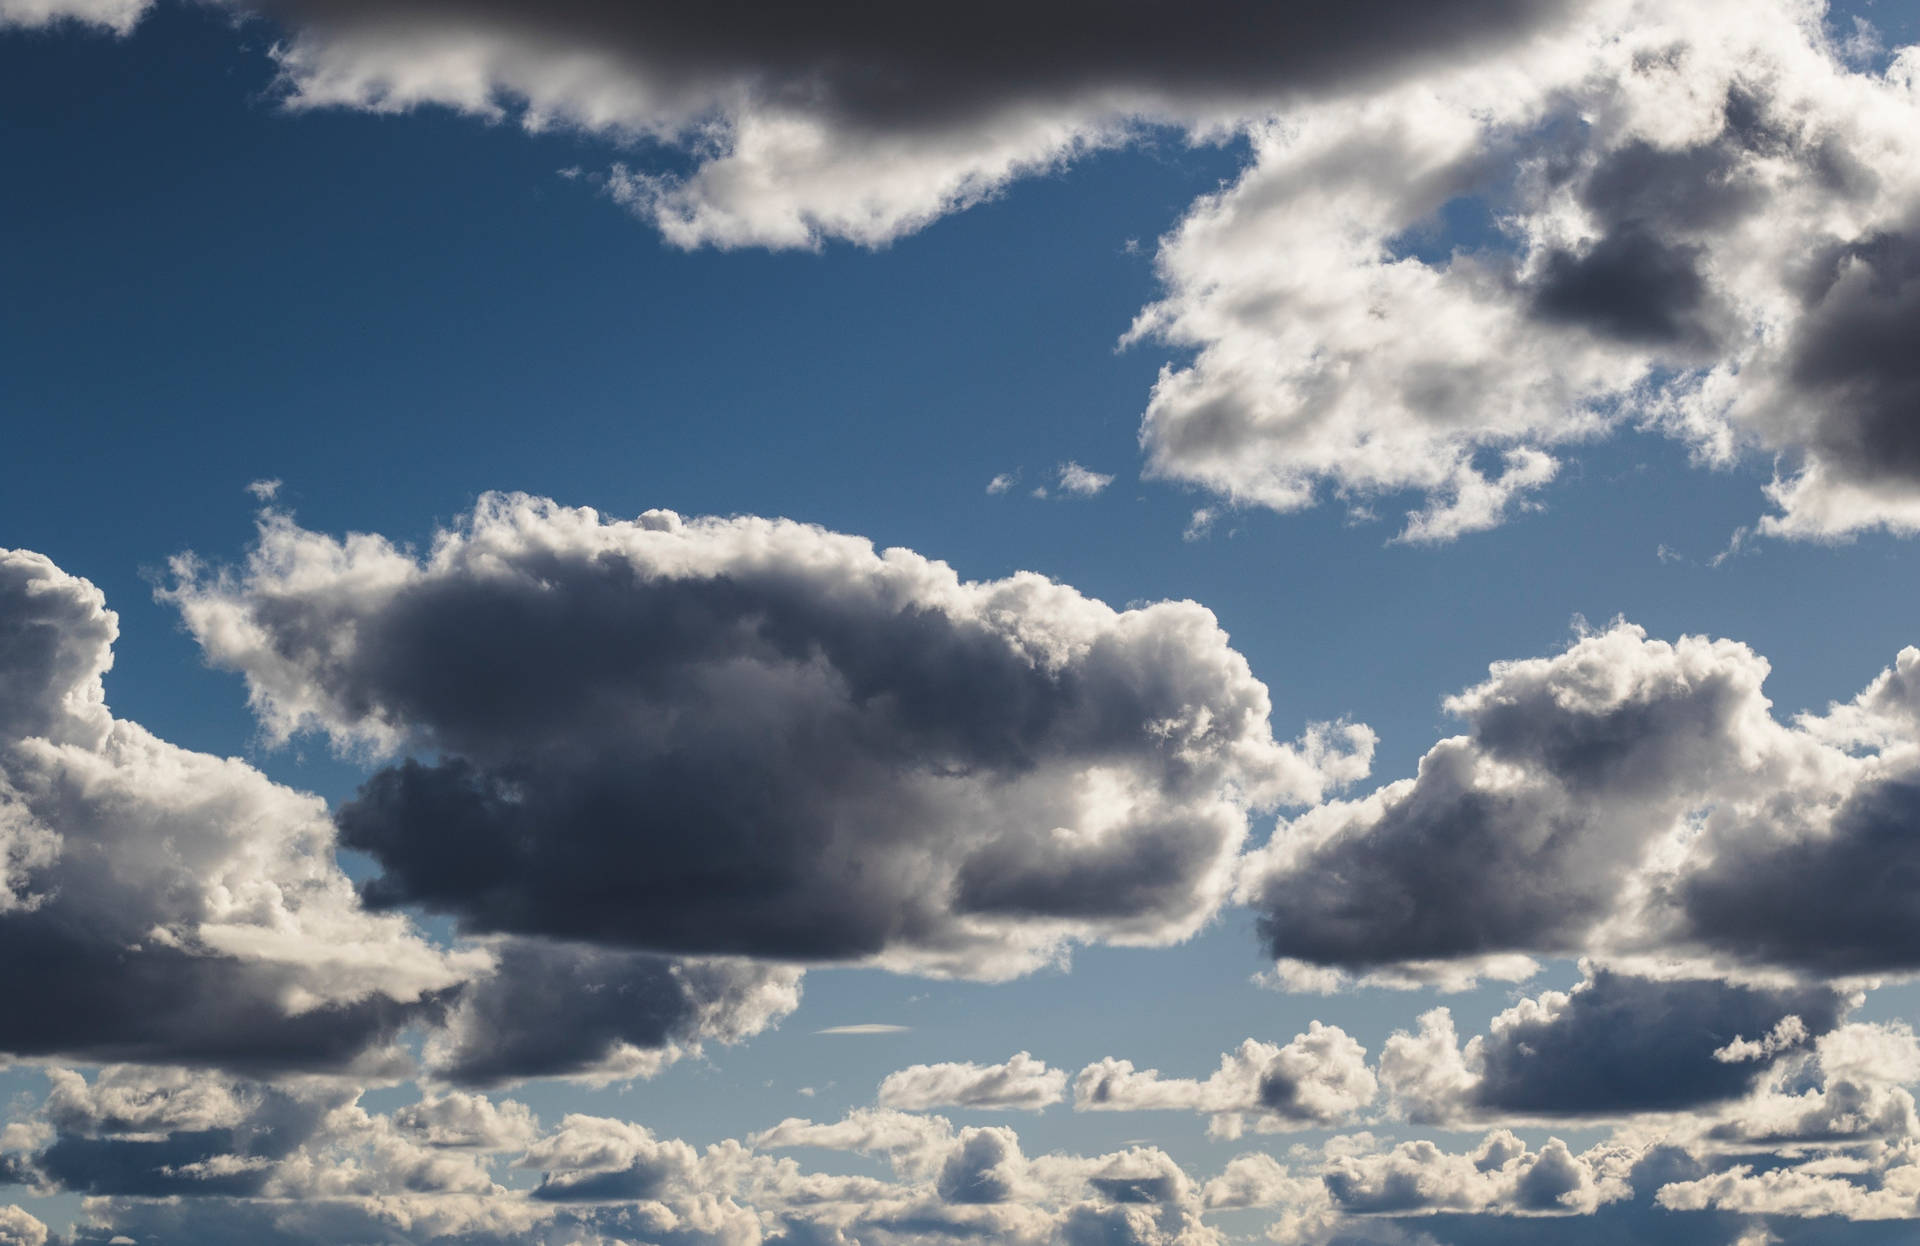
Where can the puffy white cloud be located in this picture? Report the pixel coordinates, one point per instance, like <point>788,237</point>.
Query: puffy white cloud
<point>1502,1177</point>
<point>18,1228</point>
<point>1319,1078</point>
<point>1082,481</point>
<point>1694,219</point>
<point>1021,1082</point>
<point>885,763</point>
<point>467,1121</point>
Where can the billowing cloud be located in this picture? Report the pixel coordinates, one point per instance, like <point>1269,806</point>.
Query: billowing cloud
<point>553,1009</point>
<point>18,1228</point>
<point>1628,796</point>
<point>1021,1082</point>
<point>1697,220</point>
<point>1613,1046</point>
<point>158,904</point>
<point>754,737</point>
<point>1320,1078</point>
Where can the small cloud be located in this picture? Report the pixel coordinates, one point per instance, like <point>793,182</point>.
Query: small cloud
<point>1003,482</point>
<point>807,1092</point>
<point>1735,546</point>
<point>1666,553</point>
<point>869,1027</point>
<point>1081,481</point>
<point>573,173</point>
<point>265,490</point>
<point>1200,525</point>
<point>1039,491</point>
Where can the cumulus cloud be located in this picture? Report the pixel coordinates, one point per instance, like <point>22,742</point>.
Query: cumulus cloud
<point>18,1228</point>
<point>863,124</point>
<point>755,737</point>
<point>1613,1046</point>
<point>1628,796</point>
<point>553,1009</point>
<point>1697,220</point>
<point>1021,1082</point>
<point>158,904</point>
<point>1320,1078</point>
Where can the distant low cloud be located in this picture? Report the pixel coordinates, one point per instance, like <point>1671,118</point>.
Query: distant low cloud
<point>1022,1082</point>
<point>758,738</point>
<point>1319,1079</point>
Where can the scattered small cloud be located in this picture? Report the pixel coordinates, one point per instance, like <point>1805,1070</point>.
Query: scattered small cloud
<point>265,490</point>
<point>865,1027</point>
<point>1003,482</point>
<point>1201,525</point>
<point>1081,481</point>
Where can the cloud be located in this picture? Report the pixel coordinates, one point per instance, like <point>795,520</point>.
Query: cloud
<point>861,125</point>
<point>1626,797</point>
<point>17,1228</point>
<point>158,904</point>
<point>467,1122</point>
<point>1697,221</point>
<point>1613,1046</point>
<point>885,763</point>
<point>551,1009</point>
<point>118,16</point>
<point>867,1027</point>
<point>1081,481</point>
<point>1022,1082</point>
<point>1320,1078</point>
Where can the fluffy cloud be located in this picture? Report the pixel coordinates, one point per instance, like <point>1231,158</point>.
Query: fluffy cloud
<point>748,736</point>
<point>1628,796</point>
<point>1320,1078</point>
<point>17,1228</point>
<point>551,1009</point>
<point>119,16</point>
<point>1612,1046</point>
<point>863,124</point>
<point>158,904</point>
<point>1022,1082</point>
<point>1693,219</point>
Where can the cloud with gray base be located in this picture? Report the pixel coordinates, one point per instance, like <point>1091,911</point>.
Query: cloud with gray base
<point>1628,797</point>
<point>757,738</point>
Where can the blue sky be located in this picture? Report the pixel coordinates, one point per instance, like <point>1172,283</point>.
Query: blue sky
<point>219,274</point>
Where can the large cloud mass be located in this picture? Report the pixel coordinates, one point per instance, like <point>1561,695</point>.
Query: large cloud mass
<point>755,737</point>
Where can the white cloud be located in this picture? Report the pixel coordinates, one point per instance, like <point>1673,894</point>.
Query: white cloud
<point>1021,1082</point>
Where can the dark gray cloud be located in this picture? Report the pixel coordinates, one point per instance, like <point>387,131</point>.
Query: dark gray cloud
<point>1844,902</point>
<point>888,65</point>
<point>758,738</point>
<point>552,1010</point>
<point>1622,1044</point>
<point>1851,358</point>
